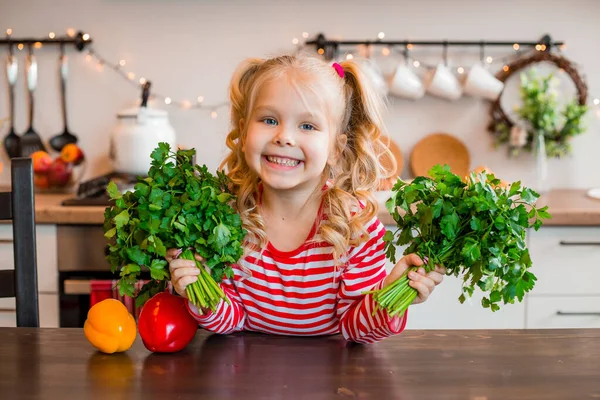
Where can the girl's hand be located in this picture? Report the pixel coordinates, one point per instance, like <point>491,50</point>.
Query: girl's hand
<point>183,272</point>
<point>423,282</point>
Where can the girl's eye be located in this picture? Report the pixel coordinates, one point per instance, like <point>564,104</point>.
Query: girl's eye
<point>307,127</point>
<point>270,121</point>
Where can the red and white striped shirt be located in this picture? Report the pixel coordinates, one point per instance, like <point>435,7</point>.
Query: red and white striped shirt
<point>300,292</point>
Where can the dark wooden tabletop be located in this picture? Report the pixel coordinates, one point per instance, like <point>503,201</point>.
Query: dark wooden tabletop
<point>429,365</point>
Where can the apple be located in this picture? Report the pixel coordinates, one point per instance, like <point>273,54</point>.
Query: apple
<point>41,181</point>
<point>41,162</point>
<point>72,154</point>
<point>59,173</point>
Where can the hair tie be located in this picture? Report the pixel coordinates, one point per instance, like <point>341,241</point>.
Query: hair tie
<point>339,69</point>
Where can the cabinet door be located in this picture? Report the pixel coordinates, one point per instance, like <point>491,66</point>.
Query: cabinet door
<point>564,259</point>
<point>563,312</point>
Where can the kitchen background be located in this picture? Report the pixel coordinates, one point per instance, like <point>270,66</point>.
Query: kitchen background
<point>190,49</point>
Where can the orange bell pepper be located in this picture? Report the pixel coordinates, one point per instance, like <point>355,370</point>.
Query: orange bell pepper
<point>110,327</point>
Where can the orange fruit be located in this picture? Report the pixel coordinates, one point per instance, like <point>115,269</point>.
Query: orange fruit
<point>71,153</point>
<point>110,327</point>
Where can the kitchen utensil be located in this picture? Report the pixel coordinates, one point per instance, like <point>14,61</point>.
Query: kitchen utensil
<point>387,184</point>
<point>31,141</point>
<point>12,142</point>
<point>137,134</point>
<point>440,148</point>
<point>61,140</point>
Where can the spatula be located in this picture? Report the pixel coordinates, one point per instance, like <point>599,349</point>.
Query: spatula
<point>12,142</point>
<point>31,141</point>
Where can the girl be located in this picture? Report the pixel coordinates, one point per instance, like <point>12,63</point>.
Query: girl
<point>305,158</point>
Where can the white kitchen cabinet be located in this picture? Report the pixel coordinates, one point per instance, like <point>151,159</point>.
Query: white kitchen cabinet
<point>47,274</point>
<point>565,261</point>
<point>563,312</point>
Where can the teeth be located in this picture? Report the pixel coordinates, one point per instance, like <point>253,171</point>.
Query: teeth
<point>283,161</point>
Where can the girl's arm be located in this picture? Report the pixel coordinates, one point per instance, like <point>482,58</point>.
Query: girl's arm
<point>365,271</point>
<point>228,317</point>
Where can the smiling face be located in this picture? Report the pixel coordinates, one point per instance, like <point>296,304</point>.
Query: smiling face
<point>289,136</point>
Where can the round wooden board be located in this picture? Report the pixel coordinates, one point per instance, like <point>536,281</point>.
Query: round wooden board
<point>440,148</point>
<point>387,184</point>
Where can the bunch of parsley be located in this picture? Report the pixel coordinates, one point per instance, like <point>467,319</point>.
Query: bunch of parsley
<point>179,205</point>
<point>475,229</point>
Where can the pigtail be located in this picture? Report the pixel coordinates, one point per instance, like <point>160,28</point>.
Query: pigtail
<point>360,167</point>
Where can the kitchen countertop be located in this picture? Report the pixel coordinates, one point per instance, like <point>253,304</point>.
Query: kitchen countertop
<point>567,206</point>
<point>444,364</point>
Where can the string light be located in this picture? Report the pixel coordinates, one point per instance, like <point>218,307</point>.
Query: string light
<point>385,51</point>
<point>71,32</point>
<point>349,57</point>
<point>8,32</point>
<point>100,66</point>
<point>538,47</point>
<point>214,115</point>
<point>122,63</point>
<point>305,35</point>
<point>505,68</point>
<point>416,63</point>
<point>460,70</point>
<point>20,46</point>
<point>37,45</point>
<point>516,46</point>
<point>381,35</point>
<point>596,102</point>
<point>86,36</point>
<point>142,81</point>
<point>131,76</point>
<point>88,57</point>
<point>489,59</point>
<point>295,41</point>
<point>200,99</point>
<point>321,51</point>
<point>167,100</point>
<point>409,46</point>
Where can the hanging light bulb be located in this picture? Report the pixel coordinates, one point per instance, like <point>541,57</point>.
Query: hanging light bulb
<point>186,105</point>
<point>37,45</point>
<point>349,57</point>
<point>8,32</point>
<point>213,115</point>
<point>131,76</point>
<point>200,99</point>
<point>86,36</point>
<point>489,59</point>
<point>20,46</point>
<point>295,41</point>
<point>505,68</point>
<point>409,46</point>
<point>305,35</point>
<point>516,46</point>
<point>88,57</point>
<point>100,66</point>
<point>71,32</point>
<point>142,81</point>
<point>460,70</point>
<point>52,35</point>
<point>385,51</point>
<point>321,51</point>
<point>538,47</point>
<point>167,100</point>
<point>416,63</point>
<point>122,63</point>
<point>596,102</point>
<point>381,35</point>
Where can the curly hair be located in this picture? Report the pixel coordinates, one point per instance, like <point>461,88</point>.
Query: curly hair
<point>356,108</point>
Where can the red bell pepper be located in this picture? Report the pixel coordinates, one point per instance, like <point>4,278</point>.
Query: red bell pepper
<point>165,325</point>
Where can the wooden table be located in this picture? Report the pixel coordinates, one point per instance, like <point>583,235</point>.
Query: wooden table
<point>429,365</point>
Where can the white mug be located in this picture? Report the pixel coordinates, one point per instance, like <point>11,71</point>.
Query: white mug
<point>480,82</point>
<point>405,83</point>
<point>441,82</point>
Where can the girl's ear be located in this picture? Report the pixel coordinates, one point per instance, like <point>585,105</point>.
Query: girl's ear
<point>338,148</point>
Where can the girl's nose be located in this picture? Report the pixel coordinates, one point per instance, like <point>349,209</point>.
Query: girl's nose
<point>284,138</point>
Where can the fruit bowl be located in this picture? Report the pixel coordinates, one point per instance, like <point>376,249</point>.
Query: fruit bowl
<point>61,174</point>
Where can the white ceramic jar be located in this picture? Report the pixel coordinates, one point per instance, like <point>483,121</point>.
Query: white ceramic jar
<point>136,135</point>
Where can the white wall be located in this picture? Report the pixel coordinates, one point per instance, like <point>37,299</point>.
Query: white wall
<point>190,48</point>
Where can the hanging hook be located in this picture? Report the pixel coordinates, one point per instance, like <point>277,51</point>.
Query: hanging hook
<point>482,53</point>
<point>445,53</point>
<point>405,53</point>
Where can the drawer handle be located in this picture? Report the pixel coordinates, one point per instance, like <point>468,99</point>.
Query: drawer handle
<point>597,314</point>
<point>567,243</point>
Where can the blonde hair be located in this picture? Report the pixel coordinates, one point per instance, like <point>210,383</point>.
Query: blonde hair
<point>359,165</point>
